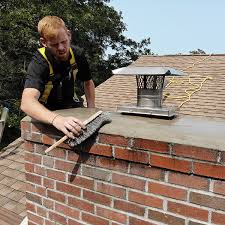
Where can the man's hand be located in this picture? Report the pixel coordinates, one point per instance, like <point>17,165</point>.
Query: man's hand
<point>70,126</point>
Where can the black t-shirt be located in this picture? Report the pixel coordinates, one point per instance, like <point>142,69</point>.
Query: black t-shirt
<point>62,93</point>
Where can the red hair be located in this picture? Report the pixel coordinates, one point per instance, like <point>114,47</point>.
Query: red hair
<point>49,25</point>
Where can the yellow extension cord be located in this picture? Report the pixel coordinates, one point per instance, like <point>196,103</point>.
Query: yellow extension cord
<point>194,87</point>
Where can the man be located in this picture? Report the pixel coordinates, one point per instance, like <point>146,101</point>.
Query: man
<point>50,78</point>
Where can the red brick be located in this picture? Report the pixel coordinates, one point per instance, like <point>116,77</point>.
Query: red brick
<point>195,223</point>
<point>129,207</point>
<point>40,170</point>
<point>116,165</point>
<point>73,222</point>
<point>31,223</point>
<point>111,215</point>
<point>65,146</point>
<point>91,219</point>
<point>170,163</point>
<point>28,146</point>
<point>219,187</point>
<point>60,197</point>
<point>57,218</point>
<point>47,222</point>
<point>81,204</point>
<point>113,140</point>
<point>218,218</point>
<point>31,207</point>
<point>57,175</point>
<point>144,199</point>
<point>67,188</point>
<point>73,156</point>
<point>48,183</point>
<point>34,218</point>
<point>128,181</point>
<point>36,128</point>
<point>111,190</point>
<point>29,167</point>
<point>30,188</point>
<point>82,182</point>
<point>58,153</point>
<point>208,201</point>
<point>65,210</point>
<point>41,191</point>
<point>48,203</point>
<point>151,145</point>
<point>76,170</point>
<point>195,152</point>
<point>147,171</point>
<point>41,212</point>
<point>33,178</point>
<point>36,137</point>
<point>135,221</point>
<point>47,140</point>
<point>40,149</point>
<point>25,126</point>
<point>64,165</point>
<point>25,135</point>
<point>97,198</point>
<point>167,191</point>
<point>98,149</point>
<point>209,170</point>
<point>188,211</point>
<point>48,161</point>
<point>36,159</point>
<point>34,198</point>
<point>96,173</point>
<point>165,218</point>
<point>190,181</point>
<point>132,155</point>
<point>88,159</point>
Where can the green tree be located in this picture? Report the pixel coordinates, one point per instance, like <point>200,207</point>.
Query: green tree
<point>95,27</point>
<point>197,52</point>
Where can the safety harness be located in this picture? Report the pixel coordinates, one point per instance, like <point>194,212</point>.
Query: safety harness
<point>49,85</point>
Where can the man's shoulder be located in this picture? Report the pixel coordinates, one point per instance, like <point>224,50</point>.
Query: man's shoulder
<point>38,58</point>
<point>38,62</point>
<point>78,51</point>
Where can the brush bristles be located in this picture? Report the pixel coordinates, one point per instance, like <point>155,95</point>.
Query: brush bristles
<point>91,128</point>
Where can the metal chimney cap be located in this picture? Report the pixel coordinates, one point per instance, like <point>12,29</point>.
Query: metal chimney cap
<point>148,70</point>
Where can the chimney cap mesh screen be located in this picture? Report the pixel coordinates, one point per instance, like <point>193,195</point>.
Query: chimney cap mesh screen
<point>150,84</point>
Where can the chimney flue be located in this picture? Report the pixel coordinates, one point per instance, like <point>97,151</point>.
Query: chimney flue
<point>150,85</point>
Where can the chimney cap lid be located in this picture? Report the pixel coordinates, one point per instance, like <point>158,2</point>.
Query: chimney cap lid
<point>148,70</point>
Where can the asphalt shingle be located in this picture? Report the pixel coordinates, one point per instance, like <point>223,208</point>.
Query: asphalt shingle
<point>12,184</point>
<point>209,101</point>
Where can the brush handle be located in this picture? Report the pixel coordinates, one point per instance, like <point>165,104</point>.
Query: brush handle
<point>61,140</point>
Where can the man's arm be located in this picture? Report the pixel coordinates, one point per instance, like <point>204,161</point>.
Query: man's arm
<point>89,89</point>
<point>70,126</point>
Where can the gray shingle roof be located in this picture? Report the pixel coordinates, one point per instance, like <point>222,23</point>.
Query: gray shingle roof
<point>209,101</point>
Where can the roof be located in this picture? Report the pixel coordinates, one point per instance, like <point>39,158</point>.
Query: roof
<point>12,184</point>
<point>117,91</point>
<point>208,70</point>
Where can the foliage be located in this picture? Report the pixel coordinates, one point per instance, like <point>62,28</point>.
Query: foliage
<point>197,52</point>
<point>95,27</point>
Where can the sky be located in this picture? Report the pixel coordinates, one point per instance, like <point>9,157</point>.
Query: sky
<point>175,26</point>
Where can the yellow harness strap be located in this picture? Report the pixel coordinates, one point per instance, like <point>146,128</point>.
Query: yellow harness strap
<point>42,51</point>
<point>72,60</point>
<point>49,85</point>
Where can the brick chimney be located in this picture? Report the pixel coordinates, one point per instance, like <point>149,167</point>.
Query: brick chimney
<point>135,171</point>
